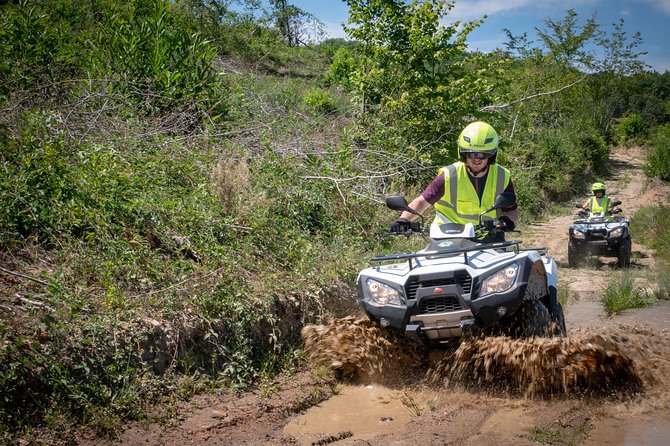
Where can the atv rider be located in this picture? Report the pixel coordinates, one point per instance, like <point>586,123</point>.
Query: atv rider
<point>599,202</point>
<point>465,189</point>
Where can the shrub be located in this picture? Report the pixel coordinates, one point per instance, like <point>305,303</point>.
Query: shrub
<point>658,160</point>
<point>630,127</point>
<point>342,66</point>
<point>651,226</point>
<point>319,100</point>
<point>622,294</point>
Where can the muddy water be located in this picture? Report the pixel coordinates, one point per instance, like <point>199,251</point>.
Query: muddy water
<point>356,413</point>
<point>626,370</point>
<point>647,430</point>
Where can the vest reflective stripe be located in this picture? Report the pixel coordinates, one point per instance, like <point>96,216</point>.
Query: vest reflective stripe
<point>460,202</point>
<point>604,205</point>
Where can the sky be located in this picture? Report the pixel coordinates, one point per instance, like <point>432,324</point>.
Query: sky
<point>650,17</point>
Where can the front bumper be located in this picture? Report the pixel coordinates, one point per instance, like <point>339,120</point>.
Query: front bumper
<point>597,245</point>
<point>440,306</point>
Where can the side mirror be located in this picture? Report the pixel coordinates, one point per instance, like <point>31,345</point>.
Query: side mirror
<point>398,203</point>
<point>504,200</point>
<point>616,211</point>
<point>616,203</point>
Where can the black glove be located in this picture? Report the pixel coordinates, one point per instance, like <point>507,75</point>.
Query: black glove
<point>399,226</point>
<point>506,223</point>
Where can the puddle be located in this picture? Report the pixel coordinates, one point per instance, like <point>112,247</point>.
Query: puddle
<point>356,413</point>
<point>649,430</point>
<point>503,428</point>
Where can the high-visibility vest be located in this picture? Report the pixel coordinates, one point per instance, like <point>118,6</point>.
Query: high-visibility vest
<point>460,202</point>
<point>603,206</point>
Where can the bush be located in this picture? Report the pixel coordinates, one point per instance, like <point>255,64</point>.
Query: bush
<point>319,100</point>
<point>658,160</point>
<point>342,66</point>
<point>630,127</point>
<point>622,294</point>
<point>651,226</point>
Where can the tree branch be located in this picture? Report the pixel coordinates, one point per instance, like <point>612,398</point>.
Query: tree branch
<point>24,276</point>
<point>546,93</point>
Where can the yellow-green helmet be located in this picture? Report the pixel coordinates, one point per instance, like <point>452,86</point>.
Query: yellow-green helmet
<point>478,137</point>
<point>598,186</point>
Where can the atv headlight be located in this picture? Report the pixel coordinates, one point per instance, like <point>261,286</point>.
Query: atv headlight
<point>500,281</point>
<point>382,293</point>
<point>617,232</point>
<point>578,234</point>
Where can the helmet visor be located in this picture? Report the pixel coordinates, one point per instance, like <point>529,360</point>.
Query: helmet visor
<point>477,155</point>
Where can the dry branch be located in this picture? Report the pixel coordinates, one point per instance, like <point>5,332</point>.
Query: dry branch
<point>526,98</point>
<point>23,276</point>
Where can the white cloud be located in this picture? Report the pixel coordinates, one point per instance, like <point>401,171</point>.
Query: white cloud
<point>470,10</point>
<point>476,9</point>
<point>661,5</point>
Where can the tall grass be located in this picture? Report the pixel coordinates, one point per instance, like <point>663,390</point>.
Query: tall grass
<point>622,294</point>
<point>658,160</point>
<point>651,226</point>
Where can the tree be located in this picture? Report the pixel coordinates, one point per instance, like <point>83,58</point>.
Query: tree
<point>295,24</point>
<point>620,61</point>
<point>567,42</point>
<point>413,73</point>
<point>621,55</point>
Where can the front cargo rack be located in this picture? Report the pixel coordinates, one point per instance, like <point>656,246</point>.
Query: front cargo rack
<point>446,253</point>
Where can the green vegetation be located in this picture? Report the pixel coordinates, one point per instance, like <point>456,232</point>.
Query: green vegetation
<point>651,226</point>
<point>565,434</point>
<point>564,295</point>
<point>658,161</point>
<point>652,229</point>
<point>622,294</point>
<point>183,187</point>
<point>546,435</point>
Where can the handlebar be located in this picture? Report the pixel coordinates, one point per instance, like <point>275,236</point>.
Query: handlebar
<point>584,213</point>
<point>417,227</point>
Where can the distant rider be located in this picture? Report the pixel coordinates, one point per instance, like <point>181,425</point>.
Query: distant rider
<point>472,183</point>
<point>599,202</point>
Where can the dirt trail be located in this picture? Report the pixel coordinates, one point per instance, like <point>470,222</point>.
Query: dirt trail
<point>492,392</point>
<point>628,184</point>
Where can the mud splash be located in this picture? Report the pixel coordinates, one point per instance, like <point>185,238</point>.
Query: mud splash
<point>360,351</point>
<point>595,363</point>
<point>617,362</point>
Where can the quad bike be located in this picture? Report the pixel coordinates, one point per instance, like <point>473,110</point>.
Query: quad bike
<point>460,286</point>
<point>599,233</point>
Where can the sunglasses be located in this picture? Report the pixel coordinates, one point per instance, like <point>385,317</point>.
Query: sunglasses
<point>477,155</point>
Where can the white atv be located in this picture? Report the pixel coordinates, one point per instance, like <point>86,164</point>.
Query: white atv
<point>460,286</point>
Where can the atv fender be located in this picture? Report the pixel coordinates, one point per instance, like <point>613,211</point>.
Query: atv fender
<point>537,286</point>
<point>532,285</point>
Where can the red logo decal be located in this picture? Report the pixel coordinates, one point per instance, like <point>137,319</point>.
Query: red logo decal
<point>438,290</point>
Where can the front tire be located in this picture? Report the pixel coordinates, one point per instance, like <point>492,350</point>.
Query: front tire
<point>558,327</point>
<point>574,256</point>
<point>623,253</point>
<point>531,319</point>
